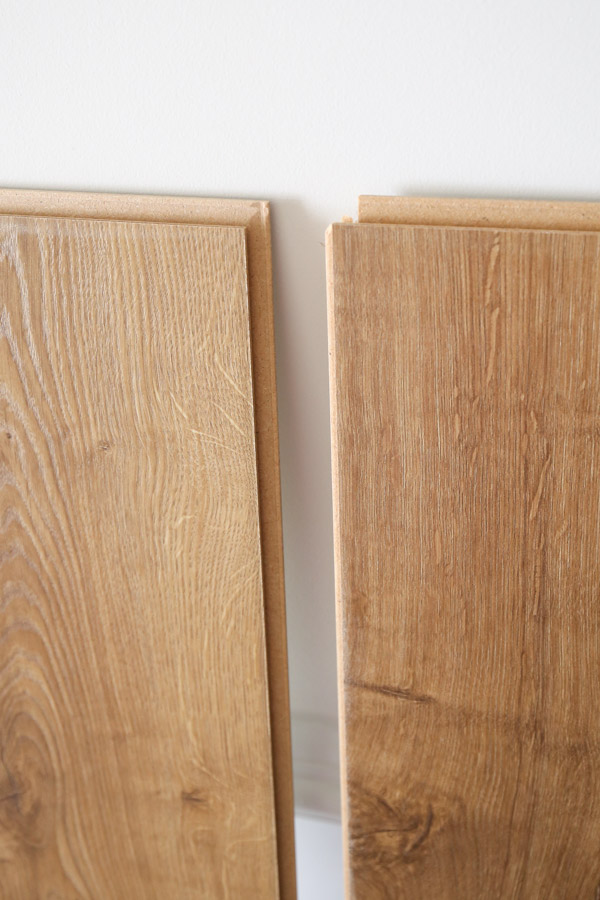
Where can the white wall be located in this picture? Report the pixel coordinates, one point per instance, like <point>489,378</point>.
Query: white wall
<point>319,859</point>
<point>307,104</point>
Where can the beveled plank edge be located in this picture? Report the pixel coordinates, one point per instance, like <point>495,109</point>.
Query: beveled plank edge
<point>330,247</point>
<point>480,213</point>
<point>260,277</point>
<point>254,216</point>
<point>129,207</point>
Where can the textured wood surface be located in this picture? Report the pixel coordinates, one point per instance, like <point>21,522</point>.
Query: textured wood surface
<point>134,714</point>
<point>465,377</point>
<point>254,216</point>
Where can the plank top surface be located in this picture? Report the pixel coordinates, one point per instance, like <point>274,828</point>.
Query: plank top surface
<point>465,382</point>
<point>134,698</point>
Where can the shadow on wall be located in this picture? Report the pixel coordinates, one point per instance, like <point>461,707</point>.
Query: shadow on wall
<point>303,382</point>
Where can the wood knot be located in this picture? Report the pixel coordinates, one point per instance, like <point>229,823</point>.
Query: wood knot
<point>194,796</point>
<point>394,831</point>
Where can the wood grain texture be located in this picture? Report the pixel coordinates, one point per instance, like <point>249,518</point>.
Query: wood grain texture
<point>465,380</point>
<point>480,213</point>
<point>134,707</point>
<point>254,216</point>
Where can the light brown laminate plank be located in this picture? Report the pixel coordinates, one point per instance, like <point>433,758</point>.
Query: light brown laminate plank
<point>135,730</point>
<point>465,386</point>
<point>253,216</point>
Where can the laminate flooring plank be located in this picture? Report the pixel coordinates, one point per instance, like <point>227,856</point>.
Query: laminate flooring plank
<point>254,217</point>
<point>465,385</point>
<point>134,696</point>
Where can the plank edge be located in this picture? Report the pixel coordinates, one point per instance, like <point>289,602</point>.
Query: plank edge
<point>330,240</point>
<point>479,213</point>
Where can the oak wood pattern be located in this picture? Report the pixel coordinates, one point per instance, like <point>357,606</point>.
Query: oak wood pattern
<point>465,384</point>
<point>134,707</point>
<point>254,216</point>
